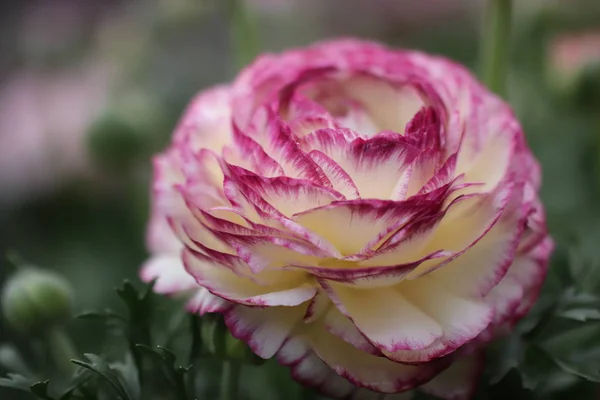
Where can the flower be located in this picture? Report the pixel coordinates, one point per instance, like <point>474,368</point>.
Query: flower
<point>368,216</point>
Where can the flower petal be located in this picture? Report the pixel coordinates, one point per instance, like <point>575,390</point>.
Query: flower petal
<point>169,273</point>
<point>203,302</point>
<point>291,290</point>
<point>264,329</point>
<point>386,317</point>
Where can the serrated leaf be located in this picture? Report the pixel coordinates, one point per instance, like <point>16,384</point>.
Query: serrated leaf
<point>101,367</point>
<point>167,363</point>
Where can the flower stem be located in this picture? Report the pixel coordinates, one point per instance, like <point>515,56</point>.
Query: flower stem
<point>61,349</point>
<point>496,45</point>
<point>230,379</point>
<point>244,32</point>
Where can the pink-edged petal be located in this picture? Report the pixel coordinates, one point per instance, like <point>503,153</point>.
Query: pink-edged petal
<point>349,273</point>
<point>375,165</point>
<point>517,291</point>
<point>490,163</point>
<point>308,369</point>
<point>248,154</point>
<point>160,238</point>
<point>276,138</point>
<point>264,329</point>
<point>340,179</point>
<point>443,176</point>
<point>457,382</point>
<point>263,253</point>
<point>169,274</point>
<point>290,196</point>
<point>389,107</point>
<point>462,319</point>
<point>425,129</point>
<point>317,307</point>
<point>351,225</point>
<point>483,265</point>
<point>203,302</point>
<point>386,317</point>
<point>468,221</point>
<point>206,121</point>
<point>368,371</point>
<point>291,290</point>
<point>341,326</point>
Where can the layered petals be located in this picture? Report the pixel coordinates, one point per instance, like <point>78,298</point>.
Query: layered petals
<point>362,214</point>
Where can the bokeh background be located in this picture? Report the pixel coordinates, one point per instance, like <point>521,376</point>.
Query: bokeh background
<point>89,90</point>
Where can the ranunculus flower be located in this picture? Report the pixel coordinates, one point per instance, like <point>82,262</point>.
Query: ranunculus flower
<point>368,216</point>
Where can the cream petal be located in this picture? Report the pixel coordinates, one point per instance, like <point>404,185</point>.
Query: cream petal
<point>366,370</point>
<point>203,302</point>
<point>264,329</point>
<point>386,317</point>
<point>462,319</point>
<point>169,273</point>
<point>291,290</point>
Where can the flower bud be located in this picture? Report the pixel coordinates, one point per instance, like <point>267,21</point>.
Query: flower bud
<point>33,299</point>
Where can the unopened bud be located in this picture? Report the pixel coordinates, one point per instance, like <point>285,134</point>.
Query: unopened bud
<point>33,299</point>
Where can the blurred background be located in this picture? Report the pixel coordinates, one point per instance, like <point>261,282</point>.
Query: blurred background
<point>89,90</point>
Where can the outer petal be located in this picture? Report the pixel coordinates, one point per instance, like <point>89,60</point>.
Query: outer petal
<point>264,329</point>
<point>291,290</point>
<point>368,371</point>
<point>386,317</point>
<point>169,273</point>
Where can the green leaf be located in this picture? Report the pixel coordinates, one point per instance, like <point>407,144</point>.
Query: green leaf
<point>140,312</point>
<point>17,381</point>
<point>536,367</point>
<point>101,367</point>
<point>511,352</point>
<point>581,314</point>
<point>589,370</point>
<point>167,362</point>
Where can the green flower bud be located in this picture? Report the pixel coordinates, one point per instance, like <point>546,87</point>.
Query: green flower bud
<point>34,300</point>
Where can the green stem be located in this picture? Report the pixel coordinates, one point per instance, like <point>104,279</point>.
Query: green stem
<point>62,349</point>
<point>244,32</point>
<point>496,45</point>
<point>230,379</point>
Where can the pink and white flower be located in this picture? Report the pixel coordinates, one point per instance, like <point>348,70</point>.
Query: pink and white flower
<point>368,216</point>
